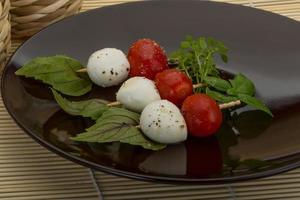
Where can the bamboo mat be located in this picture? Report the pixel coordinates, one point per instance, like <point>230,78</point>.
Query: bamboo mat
<point>29,171</point>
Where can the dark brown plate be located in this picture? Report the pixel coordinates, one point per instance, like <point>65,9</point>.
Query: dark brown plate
<point>264,46</point>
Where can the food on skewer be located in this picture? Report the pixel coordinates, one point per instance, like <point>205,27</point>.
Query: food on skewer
<point>108,67</point>
<point>162,122</point>
<point>146,59</point>
<point>174,85</point>
<point>202,115</point>
<point>136,93</point>
<point>153,90</point>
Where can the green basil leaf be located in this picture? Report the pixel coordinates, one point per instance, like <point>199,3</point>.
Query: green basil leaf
<point>224,58</point>
<point>217,83</point>
<point>196,57</point>
<point>252,101</point>
<point>115,111</point>
<point>59,72</point>
<point>116,126</point>
<point>92,108</point>
<point>219,96</point>
<point>241,85</point>
<point>202,43</point>
<point>185,45</point>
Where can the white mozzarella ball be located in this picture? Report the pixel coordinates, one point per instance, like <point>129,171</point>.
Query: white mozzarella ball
<point>162,122</point>
<point>136,93</point>
<point>108,67</point>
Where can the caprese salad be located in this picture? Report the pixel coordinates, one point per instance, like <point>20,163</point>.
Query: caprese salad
<point>160,100</point>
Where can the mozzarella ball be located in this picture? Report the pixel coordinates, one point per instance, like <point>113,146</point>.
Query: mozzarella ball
<point>108,67</point>
<point>136,93</point>
<point>162,122</point>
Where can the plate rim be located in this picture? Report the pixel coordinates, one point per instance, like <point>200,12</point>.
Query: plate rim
<point>123,173</point>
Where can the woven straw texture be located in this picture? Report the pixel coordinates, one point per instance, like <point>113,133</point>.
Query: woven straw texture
<point>30,16</point>
<point>4,31</point>
<point>30,172</point>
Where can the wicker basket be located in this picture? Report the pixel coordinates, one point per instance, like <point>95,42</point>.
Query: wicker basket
<point>30,16</point>
<point>4,31</point>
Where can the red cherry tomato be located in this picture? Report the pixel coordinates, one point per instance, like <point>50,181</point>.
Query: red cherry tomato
<point>174,85</point>
<point>146,58</point>
<point>202,115</point>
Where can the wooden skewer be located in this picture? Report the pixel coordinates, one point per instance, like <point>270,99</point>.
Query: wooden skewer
<point>138,126</point>
<point>230,104</point>
<point>199,85</point>
<point>221,106</point>
<point>83,70</point>
<point>115,103</point>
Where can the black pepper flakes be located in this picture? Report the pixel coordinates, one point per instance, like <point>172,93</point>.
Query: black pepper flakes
<point>112,71</point>
<point>103,72</point>
<point>127,69</point>
<point>116,73</point>
<point>181,126</point>
<point>156,124</point>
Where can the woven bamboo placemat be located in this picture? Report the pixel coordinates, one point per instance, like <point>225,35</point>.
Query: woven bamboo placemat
<point>29,171</point>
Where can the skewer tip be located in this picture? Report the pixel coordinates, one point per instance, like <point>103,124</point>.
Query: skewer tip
<point>82,70</point>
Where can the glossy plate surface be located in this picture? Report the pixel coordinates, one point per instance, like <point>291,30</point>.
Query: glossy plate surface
<point>264,46</point>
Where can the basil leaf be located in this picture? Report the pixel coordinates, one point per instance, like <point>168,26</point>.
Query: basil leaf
<point>219,96</point>
<point>59,72</point>
<point>184,45</point>
<point>224,58</point>
<point>241,85</point>
<point>92,108</point>
<point>116,125</point>
<point>252,101</point>
<point>115,111</point>
<point>217,83</point>
<point>202,43</point>
<point>196,57</point>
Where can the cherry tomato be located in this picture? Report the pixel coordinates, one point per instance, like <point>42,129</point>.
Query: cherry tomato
<point>146,58</point>
<point>174,85</point>
<point>202,115</point>
<point>204,157</point>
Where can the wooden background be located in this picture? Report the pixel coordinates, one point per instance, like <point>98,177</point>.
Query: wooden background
<point>29,171</point>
